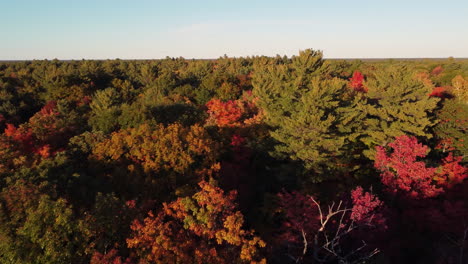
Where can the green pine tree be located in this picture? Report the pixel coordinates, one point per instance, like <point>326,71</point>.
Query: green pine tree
<point>396,104</point>
<point>305,111</point>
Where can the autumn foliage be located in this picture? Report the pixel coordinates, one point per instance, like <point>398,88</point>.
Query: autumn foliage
<point>203,228</point>
<point>403,171</point>
<point>356,82</point>
<point>174,148</point>
<point>239,112</point>
<point>312,231</point>
<point>234,160</point>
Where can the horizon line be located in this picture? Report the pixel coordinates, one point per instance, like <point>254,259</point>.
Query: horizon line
<point>235,57</point>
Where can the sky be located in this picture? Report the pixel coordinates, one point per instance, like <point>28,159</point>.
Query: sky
<point>144,29</point>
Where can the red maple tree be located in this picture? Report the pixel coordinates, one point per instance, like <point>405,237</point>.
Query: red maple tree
<point>356,82</point>
<point>402,169</point>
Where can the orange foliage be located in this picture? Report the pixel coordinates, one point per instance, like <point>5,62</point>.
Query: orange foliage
<point>44,151</point>
<point>437,70</point>
<point>425,78</point>
<point>22,136</point>
<point>232,113</point>
<point>224,113</point>
<point>204,228</point>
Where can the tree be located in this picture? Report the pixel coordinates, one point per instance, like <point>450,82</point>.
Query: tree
<point>223,113</point>
<point>304,110</point>
<point>241,112</point>
<point>396,104</point>
<point>429,203</point>
<point>172,148</point>
<point>460,88</point>
<point>109,224</point>
<point>159,159</point>
<point>401,172</point>
<point>110,257</point>
<point>54,232</point>
<point>204,228</point>
<point>356,82</point>
<point>38,229</point>
<point>313,233</point>
<point>451,131</point>
<point>105,110</point>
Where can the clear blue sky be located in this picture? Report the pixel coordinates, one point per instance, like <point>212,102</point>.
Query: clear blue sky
<point>137,29</point>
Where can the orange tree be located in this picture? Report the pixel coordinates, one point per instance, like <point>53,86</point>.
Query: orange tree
<point>204,228</point>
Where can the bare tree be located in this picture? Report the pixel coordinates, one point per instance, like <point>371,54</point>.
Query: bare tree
<point>335,226</point>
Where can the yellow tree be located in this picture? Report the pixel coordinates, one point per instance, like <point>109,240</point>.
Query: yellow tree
<point>174,155</point>
<point>460,88</point>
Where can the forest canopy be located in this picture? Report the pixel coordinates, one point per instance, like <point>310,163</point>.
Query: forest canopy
<point>235,160</point>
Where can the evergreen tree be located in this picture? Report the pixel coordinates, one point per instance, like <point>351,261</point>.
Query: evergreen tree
<point>452,129</point>
<point>396,104</point>
<point>105,110</point>
<point>303,109</point>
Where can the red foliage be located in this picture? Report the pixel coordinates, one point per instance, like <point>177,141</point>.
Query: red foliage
<point>331,232</point>
<point>356,82</point>
<point>401,172</point>
<point>439,92</point>
<point>364,208</point>
<point>301,214</point>
<point>451,172</point>
<point>446,144</point>
<point>49,109</point>
<point>45,133</point>
<point>23,136</point>
<point>237,141</point>
<point>131,204</point>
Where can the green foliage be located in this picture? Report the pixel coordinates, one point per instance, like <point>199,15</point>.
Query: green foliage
<point>105,110</point>
<point>452,128</point>
<point>38,229</point>
<point>304,110</point>
<point>109,222</point>
<point>54,234</point>
<point>396,104</point>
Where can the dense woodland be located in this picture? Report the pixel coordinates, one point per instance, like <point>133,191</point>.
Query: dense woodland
<point>236,160</point>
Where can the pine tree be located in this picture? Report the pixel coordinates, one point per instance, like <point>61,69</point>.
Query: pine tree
<point>396,104</point>
<point>452,129</point>
<point>304,110</point>
<point>105,110</point>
